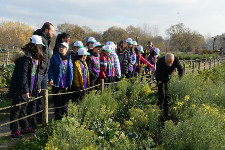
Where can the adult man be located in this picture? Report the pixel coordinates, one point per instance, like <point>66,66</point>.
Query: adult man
<point>165,67</point>
<point>46,33</point>
<point>149,46</point>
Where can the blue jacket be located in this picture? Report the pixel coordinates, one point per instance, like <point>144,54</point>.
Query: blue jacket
<point>55,70</point>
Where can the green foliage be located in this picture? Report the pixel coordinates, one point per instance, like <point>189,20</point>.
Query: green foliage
<point>5,75</point>
<point>205,130</point>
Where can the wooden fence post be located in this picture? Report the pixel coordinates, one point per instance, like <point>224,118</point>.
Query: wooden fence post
<point>45,108</point>
<point>214,62</point>
<point>199,65</point>
<point>184,67</point>
<point>210,64</point>
<point>204,65</point>
<point>102,86</point>
<point>193,67</point>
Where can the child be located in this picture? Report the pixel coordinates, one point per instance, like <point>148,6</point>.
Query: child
<point>76,45</point>
<point>63,37</point>
<point>91,41</point>
<point>116,61</point>
<point>140,59</point>
<point>124,57</point>
<point>133,57</point>
<point>81,74</point>
<point>107,65</point>
<point>152,58</point>
<point>60,76</point>
<point>93,62</point>
<point>23,84</point>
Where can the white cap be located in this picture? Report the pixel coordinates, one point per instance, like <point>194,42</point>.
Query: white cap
<point>36,39</point>
<point>97,44</point>
<point>65,45</point>
<point>134,43</point>
<point>83,51</point>
<point>108,48</point>
<point>113,46</point>
<point>91,39</point>
<point>79,44</point>
<point>140,48</point>
<point>129,41</point>
<point>157,51</point>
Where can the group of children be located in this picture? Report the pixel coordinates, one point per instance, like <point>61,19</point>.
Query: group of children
<point>74,70</point>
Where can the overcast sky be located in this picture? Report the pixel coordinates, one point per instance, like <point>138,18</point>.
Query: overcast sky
<point>204,16</point>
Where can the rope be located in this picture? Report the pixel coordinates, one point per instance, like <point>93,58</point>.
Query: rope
<point>21,118</point>
<point>20,104</point>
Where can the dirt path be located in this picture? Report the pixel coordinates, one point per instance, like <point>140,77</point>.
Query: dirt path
<point>5,132</point>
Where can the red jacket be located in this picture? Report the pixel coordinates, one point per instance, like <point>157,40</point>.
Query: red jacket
<point>104,65</point>
<point>140,60</point>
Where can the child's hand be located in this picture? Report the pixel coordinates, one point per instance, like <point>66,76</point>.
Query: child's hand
<point>26,95</point>
<point>51,83</point>
<point>39,90</point>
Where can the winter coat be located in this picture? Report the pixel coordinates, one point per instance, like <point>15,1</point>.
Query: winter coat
<point>78,76</point>
<point>44,65</point>
<point>55,69</point>
<point>21,78</point>
<point>163,71</point>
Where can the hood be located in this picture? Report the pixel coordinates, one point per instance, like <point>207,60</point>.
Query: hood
<point>19,55</point>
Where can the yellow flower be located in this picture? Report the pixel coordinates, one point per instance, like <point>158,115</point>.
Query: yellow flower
<point>193,106</point>
<point>217,94</point>
<point>186,98</point>
<point>175,108</point>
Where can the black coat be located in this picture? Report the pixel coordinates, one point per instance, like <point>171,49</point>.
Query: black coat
<point>44,66</point>
<point>163,71</point>
<point>126,61</point>
<point>21,78</point>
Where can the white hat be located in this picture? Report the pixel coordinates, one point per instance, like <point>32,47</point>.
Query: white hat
<point>140,48</point>
<point>129,41</point>
<point>113,46</point>
<point>134,43</point>
<point>97,44</point>
<point>79,44</point>
<point>83,51</point>
<point>157,51</point>
<point>108,48</point>
<point>65,45</point>
<point>91,39</point>
<point>36,39</point>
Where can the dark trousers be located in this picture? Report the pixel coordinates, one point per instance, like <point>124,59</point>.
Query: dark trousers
<point>109,80</point>
<point>59,100</point>
<point>16,113</point>
<point>163,97</point>
<point>31,108</point>
<point>42,82</point>
<point>93,82</point>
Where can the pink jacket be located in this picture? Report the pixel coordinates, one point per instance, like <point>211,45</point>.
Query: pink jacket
<point>140,60</point>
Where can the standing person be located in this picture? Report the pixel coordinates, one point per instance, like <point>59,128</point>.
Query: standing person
<point>149,46</point>
<point>46,33</point>
<point>124,57</point>
<point>91,41</point>
<point>140,59</point>
<point>76,46</point>
<point>62,37</point>
<point>165,67</point>
<point>153,57</point>
<point>116,61</point>
<point>107,65</point>
<point>93,62</point>
<point>81,80</point>
<point>24,83</point>
<point>133,57</point>
<point>60,77</point>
